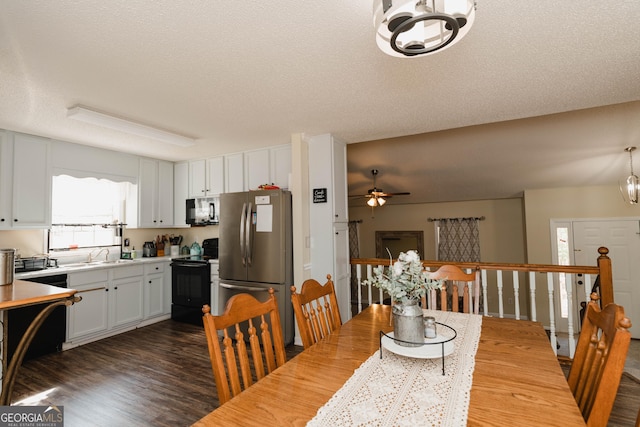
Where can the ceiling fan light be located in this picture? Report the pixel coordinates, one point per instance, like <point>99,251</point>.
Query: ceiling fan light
<point>381,201</point>
<point>372,202</point>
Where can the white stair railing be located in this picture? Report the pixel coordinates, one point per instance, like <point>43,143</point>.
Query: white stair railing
<point>494,294</point>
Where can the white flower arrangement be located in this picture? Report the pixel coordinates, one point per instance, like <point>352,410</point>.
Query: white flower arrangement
<point>404,280</point>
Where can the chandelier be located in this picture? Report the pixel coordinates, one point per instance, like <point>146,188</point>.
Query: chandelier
<point>421,27</point>
<point>633,183</point>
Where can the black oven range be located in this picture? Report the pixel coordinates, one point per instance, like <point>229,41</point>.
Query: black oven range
<point>191,284</point>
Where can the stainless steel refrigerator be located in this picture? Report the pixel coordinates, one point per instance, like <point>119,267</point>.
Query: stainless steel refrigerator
<point>256,249</point>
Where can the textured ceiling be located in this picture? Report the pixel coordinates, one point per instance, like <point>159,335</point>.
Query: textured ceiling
<point>239,75</point>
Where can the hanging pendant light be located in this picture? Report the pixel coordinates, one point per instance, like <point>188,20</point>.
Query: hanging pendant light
<point>407,28</point>
<point>633,183</point>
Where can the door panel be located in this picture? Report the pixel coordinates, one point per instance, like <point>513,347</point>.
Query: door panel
<point>622,238</point>
<point>231,266</point>
<point>268,244</point>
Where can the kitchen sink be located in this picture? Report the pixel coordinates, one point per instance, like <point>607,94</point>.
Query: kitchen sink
<point>87,264</point>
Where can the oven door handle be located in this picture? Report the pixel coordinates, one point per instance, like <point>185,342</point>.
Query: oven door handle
<point>189,264</point>
<point>245,288</point>
<point>243,217</point>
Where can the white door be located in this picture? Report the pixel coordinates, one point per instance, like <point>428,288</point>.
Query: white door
<point>622,238</point>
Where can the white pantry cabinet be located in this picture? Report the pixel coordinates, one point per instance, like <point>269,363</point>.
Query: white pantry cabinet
<point>329,216</point>
<point>25,170</point>
<point>206,177</point>
<point>155,194</point>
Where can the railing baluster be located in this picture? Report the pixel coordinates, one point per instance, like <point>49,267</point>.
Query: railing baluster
<point>552,318</point>
<point>500,301</point>
<point>568,283</point>
<point>359,280</point>
<point>380,292</point>
<point>587,287</point>
<point>516,293</point>
<point>532,293</point>
<point>369,276</point>
<point>485,301</point>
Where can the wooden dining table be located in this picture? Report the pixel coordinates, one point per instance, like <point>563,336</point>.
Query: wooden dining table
<point>517,379</point>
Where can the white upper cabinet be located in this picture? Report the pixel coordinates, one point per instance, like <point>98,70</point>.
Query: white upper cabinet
<point>197,179</point>
<point>256,167</point>
<point>180,193</point>
<point>155,193</point>
<point>215,175</point>
<point>25,191</point>
<point>280,158</point>
<point>206,177</point>
<point>6,180</point>
<point>234,173</point>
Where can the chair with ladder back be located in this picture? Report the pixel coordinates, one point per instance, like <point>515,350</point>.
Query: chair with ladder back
<point>316,310</point>
<point>449,296</point>
<point>245,319</point>
<point>599,360</point>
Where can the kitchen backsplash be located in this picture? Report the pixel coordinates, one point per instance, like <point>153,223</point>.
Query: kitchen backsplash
<point>33,242</point>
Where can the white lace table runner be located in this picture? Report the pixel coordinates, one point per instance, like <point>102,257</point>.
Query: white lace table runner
<point>402,391</point>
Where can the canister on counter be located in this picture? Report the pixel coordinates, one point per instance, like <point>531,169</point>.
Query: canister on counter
<point>7,266</point>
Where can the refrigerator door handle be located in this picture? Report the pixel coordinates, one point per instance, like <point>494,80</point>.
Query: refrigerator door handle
<point>249,249</point>
<point>242,234</point>
<point>246,288</point>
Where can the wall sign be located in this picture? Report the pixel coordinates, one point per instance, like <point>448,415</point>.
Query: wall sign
<point>319,195</point>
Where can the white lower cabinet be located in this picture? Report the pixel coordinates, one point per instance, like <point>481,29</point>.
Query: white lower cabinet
<point>126,301</point>
<point>116,299</point>
<point>154,289</point>
<point>91,315</point>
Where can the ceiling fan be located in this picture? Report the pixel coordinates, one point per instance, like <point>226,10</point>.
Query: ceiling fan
<point>376,196</point>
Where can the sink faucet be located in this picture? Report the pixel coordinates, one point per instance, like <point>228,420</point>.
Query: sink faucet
<point>106,257</point>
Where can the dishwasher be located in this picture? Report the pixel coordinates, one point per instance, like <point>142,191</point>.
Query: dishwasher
<point>51,334</point>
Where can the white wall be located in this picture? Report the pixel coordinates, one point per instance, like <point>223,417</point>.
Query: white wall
<point>568,203</point>
<point>501,232</point>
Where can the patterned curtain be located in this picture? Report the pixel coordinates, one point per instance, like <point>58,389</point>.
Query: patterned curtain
<point>354,252</point>
<point>459,240</point>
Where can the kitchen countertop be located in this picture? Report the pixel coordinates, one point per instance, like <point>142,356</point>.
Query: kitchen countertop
<point>86,266</point>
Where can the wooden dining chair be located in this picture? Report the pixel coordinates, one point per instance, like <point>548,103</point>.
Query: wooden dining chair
<point>599,360</point>
<point>454,278</point>
<point>316,310</point>
<point>252,321</point>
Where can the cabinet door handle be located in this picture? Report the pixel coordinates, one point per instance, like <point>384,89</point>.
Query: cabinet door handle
<point>15,220</point>
<point>149,281</point>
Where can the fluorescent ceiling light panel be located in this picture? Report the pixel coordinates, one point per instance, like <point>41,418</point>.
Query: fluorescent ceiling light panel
<point>86,115</point>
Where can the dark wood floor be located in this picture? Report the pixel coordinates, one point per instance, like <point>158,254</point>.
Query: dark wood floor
<point>160,375</point>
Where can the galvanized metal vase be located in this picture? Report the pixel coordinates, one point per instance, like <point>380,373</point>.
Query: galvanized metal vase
<point>407,323</point>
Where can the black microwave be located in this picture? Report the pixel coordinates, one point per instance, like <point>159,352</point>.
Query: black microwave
<point>203,211</point>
